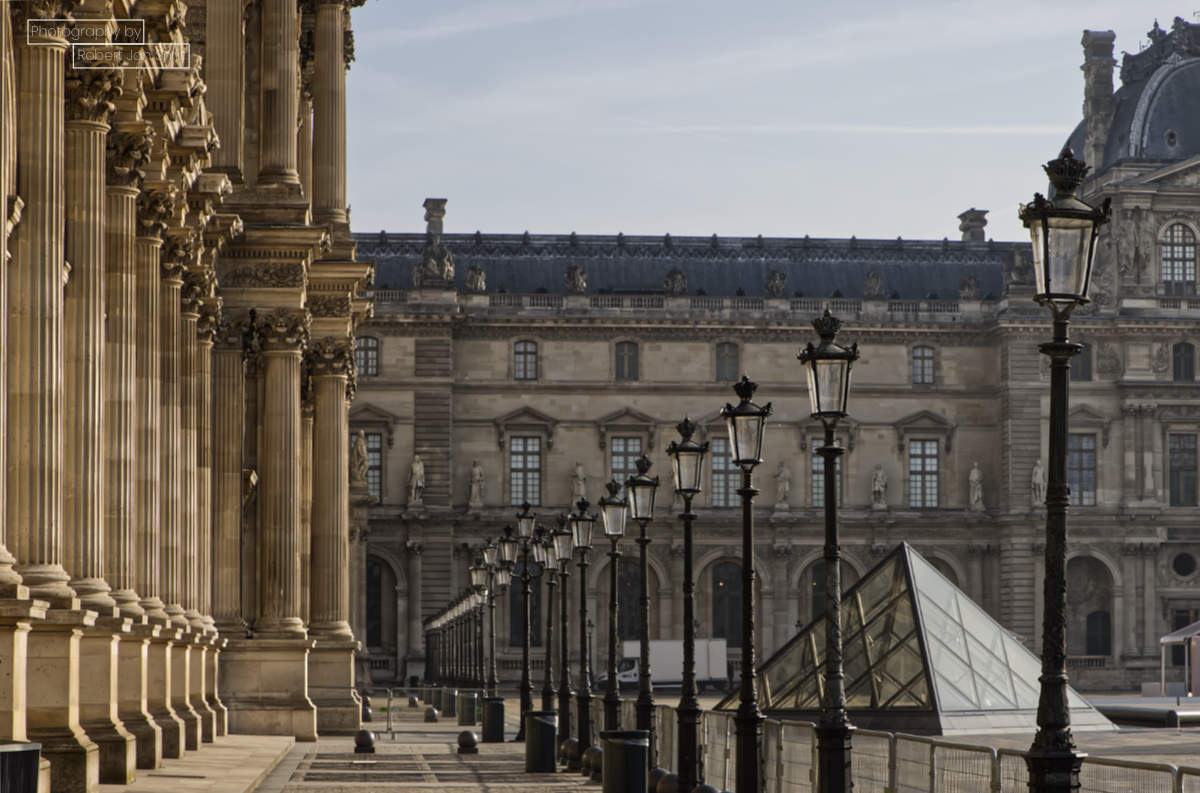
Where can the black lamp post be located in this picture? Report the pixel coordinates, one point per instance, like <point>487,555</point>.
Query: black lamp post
<point>828,366</point>
<point>687,465</point>
<point>745,423</point>
<point>641,508</point>
<point>549,562</point>
<point>479,581</point>
<point>582,524</point>
<point>564,548</point>
<point>613,510</point>
<point>526,521</point>
<point>1064,234</point>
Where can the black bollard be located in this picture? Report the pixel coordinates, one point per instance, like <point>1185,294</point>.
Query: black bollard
<point>493,719</point>
<point>413,702</point>
<point>450,702</point>
<point>468,742</point>
<point>626,753</point>
<point>431,714</point>
<point>597,763</point>
<point>541,735</point>
<point>366,705</point>
<point>364,742</point>
<point>568,751</point>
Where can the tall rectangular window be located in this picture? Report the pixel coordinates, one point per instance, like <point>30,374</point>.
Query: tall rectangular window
<point>1178,252</point>
<point>1181,449</point>
<point>728,362</point>
<point>627,361</point>
<point>922,474</point>
<point>374,463</point>
<point>625,453</point>
<point>525,363</point>
<point>726,477</point>
<point>366,356</point>
<point>922,365</point>
<point>525,470</point>
<point>1081,468</point>
<point>818,474</point>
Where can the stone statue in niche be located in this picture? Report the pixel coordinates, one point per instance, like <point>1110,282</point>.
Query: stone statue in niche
<point>416,481</point>
<point>578,483</point>
<point>776,283</point>
<point>878,488</point>
<point>476,279</point>
<point>475,499</point>
<point>873,284</point>
<point>975,481</point>
<point>1037,484</point>
<point>968,288</point>
<point>358,460</point>
<point>783,486</point>
<point>576,279</point>
<point>675,283</point>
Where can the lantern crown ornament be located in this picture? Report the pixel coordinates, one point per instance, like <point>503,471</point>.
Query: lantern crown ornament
<point>613,510</point>
<point>641,491</point>
<point>687,459</point>
<point>828,367</point>
<point>745,422</point>
<point>1063,231</point>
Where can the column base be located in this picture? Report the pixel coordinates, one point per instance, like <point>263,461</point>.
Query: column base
<point>16,617</point>
<point>267,687</point>
<point>52,713</point>
<point>331,686</point>
<point>181,695</point>
<point>197,673</point>
<point>158,692</point>
<point>98,656</point>
<point>212,663</point>
<point>133,664</point>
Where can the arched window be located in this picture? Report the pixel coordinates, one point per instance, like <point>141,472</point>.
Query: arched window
<point>525,360</point>
<point>1099,633</point>
<point>727,602</point>
<point>922,365</point>
<point>728,362</point>
<point>1089,607</point>
<point>516,607</point>
<point>1178,253</point>
<point>1183,357</point>
<point>381,605</point>
<point>366,355</point>
<point>627,361</point>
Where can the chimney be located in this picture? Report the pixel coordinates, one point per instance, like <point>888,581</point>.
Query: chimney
<point>435,211</point>
<point>971,223</point>
<point>1097,94</point>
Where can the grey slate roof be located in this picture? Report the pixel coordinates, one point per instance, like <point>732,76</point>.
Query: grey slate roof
<point>814,267</point>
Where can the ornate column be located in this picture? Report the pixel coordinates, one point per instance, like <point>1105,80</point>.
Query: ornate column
<point>206,329</point>
<point>329,115</point>
<point>35,422</point>
<point>225,79</point>
<point>174,254</point>
<point>229,412</point>
<point>331,666</point>
<point>195,289</point>
<point>280,93</point>
<point>306,495</point>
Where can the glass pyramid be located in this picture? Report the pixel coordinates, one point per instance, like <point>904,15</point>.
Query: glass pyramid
<point>919,656</point>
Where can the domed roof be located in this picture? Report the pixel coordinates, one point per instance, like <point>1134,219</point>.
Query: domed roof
<point>1155,112</point>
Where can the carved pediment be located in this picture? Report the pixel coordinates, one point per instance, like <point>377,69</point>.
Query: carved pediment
<point>366,415</point>
<point>924,422</point>
<point>1084,417</point>
<point>525,419</point>
<point>1185,173</point>
<point>630,420</point>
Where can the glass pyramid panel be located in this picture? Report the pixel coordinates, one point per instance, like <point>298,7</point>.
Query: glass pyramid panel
<point>913,642</point>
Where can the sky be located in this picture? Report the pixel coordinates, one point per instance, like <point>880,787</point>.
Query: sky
<point>695,117</point>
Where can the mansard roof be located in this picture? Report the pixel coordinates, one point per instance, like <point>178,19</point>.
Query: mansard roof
<point>812,267</point>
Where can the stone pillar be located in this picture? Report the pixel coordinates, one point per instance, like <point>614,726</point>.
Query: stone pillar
<point>1150,615</point>
<point>212,692</point>
<point>181,687</point>
<point>360,501</point>
<point>416,636</point>
<point>1129,572</point>
<point>304,136</point>
<point>225,79</point>
<point>133,708</point>
<point>229,412</point>
<point>280,92</point>
<point>210,317</point>
<point>306,498</point>
<point>35,425</point>
<point>268,674</point>
<point>331,666</point>
<point>195,288</point>
<point>11,206</point>
<point>329,116</point>
<point>170,436</point>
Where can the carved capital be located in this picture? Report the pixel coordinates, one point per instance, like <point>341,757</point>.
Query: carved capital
<point>178,252</point>
<point>197,285</point>
<point>232,331</point>
<point>781,551</point>
<point>210,319</point>
<point>331,356</point>
<point>154,209</point>
<point>90,94</point>
<point>283,328</point>
<point>128,151</point>
<point>413,548</point>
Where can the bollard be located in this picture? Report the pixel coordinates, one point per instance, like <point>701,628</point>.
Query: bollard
<point>568,753</point>
<point>626,753</point>
<point>655,778</point>
<point>466,708</point>
<point>468,742</point>
<point>450,702</point>
<point>591,759</point>
<point>493,719</point>
<point>668,784</point>
<point>364,742</point>
<point>541,736</point>
<point>431,714</point>
<point>437,698</point>
<point>413,702</point>
<point>597,763</point>
<point>366,705</point>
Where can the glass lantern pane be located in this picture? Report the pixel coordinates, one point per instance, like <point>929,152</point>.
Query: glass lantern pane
<point>830,379</point>
<point>688,466</point>
<point>1069,241</point>
<point>749,440</point>
<point>614,519</point>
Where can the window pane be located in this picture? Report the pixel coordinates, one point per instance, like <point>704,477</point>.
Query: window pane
<point>727,362</point>
<point>1081,468</point>
<point>627,361</point>
<point>1182,463</point>
<point>525,471</point>
<point>525,360</point>
<point>727,603</point>
<point>818,474</point>
<point>922,365</point>
<point>922,474</point>
<point>374,463</point>
<point>1178,253</point>
<point>366,356</point>
<point>1184,359</point>
<point>725,475</point>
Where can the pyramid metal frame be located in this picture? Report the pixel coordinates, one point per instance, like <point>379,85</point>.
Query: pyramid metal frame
<point>920,657</point>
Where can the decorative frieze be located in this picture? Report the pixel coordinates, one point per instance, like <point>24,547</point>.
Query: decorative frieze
<point>265,276</point>
<point>328,305</point>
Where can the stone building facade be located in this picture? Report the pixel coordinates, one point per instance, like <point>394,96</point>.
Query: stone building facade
<point>178,302</point>
<point>528,357</point>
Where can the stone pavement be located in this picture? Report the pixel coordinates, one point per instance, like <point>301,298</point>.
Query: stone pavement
<point>416,758</point>
<point>233,764</point>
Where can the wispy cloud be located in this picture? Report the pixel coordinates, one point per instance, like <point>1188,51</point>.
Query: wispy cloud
<point>497,14</point>
<point>840,128</point>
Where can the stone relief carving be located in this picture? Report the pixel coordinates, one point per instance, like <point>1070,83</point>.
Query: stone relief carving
<point>475,498</point>
<point>265,275</point>
<point>358,461</point>
<point>128,151</point>
<point>331,356</point>
<point>783,486</point>
<point>283,327</point>
<point>154,209</point>
<point>576,279</point>
<point>436,265</point>
<point>1161,361</point>
<point>878,488</point>
<point>675,283</point>
<point>476,279</point>
<point>1108,360</point>
<point>329,305</point>
<point>416,481</point>
<point>873,285</point>
<point>1037,484</point>
<point>90,93</point>
<point>578,483</point>
<point>975,483</point>
<point>776,284</point>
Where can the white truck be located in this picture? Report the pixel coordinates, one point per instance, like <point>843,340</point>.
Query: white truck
<point>666,664</point>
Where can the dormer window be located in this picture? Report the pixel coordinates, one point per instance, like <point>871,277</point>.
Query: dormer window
<point>1178,253</point>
